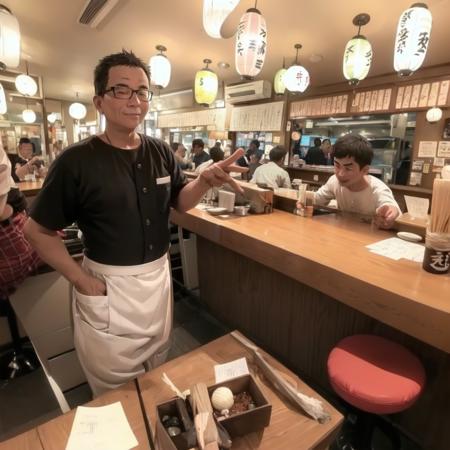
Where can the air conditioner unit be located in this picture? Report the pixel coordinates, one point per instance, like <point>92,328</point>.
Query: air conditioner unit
<point>95,11</point>
<point>247,92</point>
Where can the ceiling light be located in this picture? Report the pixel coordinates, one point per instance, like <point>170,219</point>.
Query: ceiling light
<point>357,53</point>
<point>28,116</point>
<point>315,58</point>
<point>206,85</point>
<point>160,68</point>
<point>9,39</point>
<point>251,43</point>
<point>3,104</point>
<point>434,115</point>
<point>413,35</point>
<point>215,13</point>
<point>223,65</point>
<point>51,118</point>
<point>77,110</point>
<point>26,85</point>
<point>296,78</point>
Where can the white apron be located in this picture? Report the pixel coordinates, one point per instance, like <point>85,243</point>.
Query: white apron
<point>127,331</point>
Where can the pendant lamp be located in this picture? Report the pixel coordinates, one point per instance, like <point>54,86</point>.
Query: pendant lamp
<point>160,68</point>
<point>413,36</point>
<point>278,81</point>
<point>215,12</point>
<point>296,78</point>
<point>3,104</point>
<point>434,115</point>
<point>51,118</point>
<point>28,116</point>
<point>357,53</point>
<point>26,84</point>
<point>77,110</point>
<point>251,44</point>
<point>206,85</point>
<point>9,39</point>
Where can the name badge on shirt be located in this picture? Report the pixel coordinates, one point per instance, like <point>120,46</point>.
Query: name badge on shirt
<point>163,180</point>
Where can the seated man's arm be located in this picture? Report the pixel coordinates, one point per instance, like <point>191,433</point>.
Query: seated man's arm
<point>387,208</point>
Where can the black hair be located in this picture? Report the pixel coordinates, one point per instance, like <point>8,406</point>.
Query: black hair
<point>216,154</point>
<point>198,143</point>
<point>326,140</point>
<point>174,146</point>
<point>255,142</point>
<point>25,140</point>
<point>124,58</point>
<point>317,142</point>
<point>354,146</point>
<point>277,153</point>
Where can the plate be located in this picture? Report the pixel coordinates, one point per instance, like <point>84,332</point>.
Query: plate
<point>217,211</point>
<point>409,236</point>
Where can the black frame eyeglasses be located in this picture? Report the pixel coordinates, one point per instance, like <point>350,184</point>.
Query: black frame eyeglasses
<point>125,93</point>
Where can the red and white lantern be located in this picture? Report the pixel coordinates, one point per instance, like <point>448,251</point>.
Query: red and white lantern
<point>251,44</point>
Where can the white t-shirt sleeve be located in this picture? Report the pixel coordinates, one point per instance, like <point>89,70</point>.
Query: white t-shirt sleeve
<point>326,193</point>
<point>6,181</point>
<point>286,180</point>
<point>383,195</point>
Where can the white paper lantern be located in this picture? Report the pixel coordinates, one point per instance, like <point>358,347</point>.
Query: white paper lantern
<point>296,78</point>
<point>278,82</point>
<point>160,69</point>
<point>28,116</point>
<point>413,35</point>
<point>3,104</point>
<point>357,59</point>
<point>9,39</point>
<point>26,85</point>
<point>434,115</point>
<point>77,111</point>
<point>206,85</point>
<point>251,44</point>
<point>215,12</point>
<point>51,118</point>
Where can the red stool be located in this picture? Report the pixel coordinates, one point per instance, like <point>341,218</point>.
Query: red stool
<point>377,376</point>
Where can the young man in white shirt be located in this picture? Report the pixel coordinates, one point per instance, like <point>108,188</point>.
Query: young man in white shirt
<point>271,174</point>
<point>352,186</point>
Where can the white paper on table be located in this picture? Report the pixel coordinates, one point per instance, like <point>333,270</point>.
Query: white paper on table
<point>395,248</point>
<point>101,428</point>
<point>233,369</point>
<point>417,206</point>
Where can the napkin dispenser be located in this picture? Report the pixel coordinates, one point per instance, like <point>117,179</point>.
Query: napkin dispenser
<point>260,200</point>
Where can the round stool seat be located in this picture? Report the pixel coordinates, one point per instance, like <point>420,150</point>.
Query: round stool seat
<point>375,374</point>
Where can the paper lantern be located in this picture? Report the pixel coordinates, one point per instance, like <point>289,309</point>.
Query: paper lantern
<point>251,44</point>
<point>9,39</point>
<point>413,36</point>
<point>206,85</point>
<point>434,115</point>
<point>215,13</point>
<point>77,111</point>
<point>28,116</point>
<point>3,104</point>
<point>160,68</point>
<point>357,53</point>
<point>296,78</point>
<point>51,118</point>
<point>26,85</point>
<point>278,81</point>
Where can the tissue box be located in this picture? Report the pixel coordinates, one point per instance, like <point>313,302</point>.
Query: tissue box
<point>237,425</point>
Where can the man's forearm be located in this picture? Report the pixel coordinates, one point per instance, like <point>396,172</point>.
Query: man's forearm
<point>191,194</point>
<point>22,171</point>
<point>52,250</point>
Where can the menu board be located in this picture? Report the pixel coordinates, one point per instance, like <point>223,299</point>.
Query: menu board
<point>368,101</point>
<point>214,118</point>
<point>423,95</point>
<point>321,106</point>
<point>264,117</point>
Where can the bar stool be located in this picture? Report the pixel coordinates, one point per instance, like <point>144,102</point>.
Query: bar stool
<point>377,376</point>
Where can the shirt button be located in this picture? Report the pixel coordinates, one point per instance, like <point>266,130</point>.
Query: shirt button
<point>150,247</point>
<point>144,190</point>
<point>147,222</point>
<point>139,165</point>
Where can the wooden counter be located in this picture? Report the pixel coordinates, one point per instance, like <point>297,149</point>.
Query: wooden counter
<point>332,249</point>
<point>30,188</point>
<point>297,286</point>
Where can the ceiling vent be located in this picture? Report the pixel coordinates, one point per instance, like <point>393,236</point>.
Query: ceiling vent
<point>95,11</point>
<point>247,92</point>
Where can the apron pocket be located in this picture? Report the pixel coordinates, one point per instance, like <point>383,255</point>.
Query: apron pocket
<point>93,309</point>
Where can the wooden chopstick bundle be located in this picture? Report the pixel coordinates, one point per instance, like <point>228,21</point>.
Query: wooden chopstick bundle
<point>440,207</point>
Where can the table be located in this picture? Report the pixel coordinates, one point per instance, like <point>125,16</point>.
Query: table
<point>288,429</point>
<point>25,441</point>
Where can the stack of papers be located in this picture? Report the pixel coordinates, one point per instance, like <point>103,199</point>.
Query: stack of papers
<point>233,369</point>
<point>396,249</point>
<point>101,428</point>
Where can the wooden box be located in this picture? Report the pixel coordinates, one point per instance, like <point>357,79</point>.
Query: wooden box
<point>237,425</point>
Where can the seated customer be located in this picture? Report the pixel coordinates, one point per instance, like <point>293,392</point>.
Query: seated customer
<point>352,186</point>
<point>17,258</point>
<point>25,162</point>
<point>179,151</point>
<point>315,154</point>
<point>200,156</point>
<point>271,174</point>
<point>216,155</point>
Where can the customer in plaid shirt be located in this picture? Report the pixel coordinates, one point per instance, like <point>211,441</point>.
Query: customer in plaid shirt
<point>17,258</point>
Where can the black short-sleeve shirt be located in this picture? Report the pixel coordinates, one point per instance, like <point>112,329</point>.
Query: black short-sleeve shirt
<point>119,198</point>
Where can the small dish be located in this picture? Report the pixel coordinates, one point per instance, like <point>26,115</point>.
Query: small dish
<point>411,237</point>
<point>241,210</point>
<point>217,211</point>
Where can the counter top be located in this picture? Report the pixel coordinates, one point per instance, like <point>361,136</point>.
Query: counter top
<point>30,188</point>
<point>328,254</point>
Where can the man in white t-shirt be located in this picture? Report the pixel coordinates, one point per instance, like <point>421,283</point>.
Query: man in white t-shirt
<point>352,186</point>
<point>271,173</point>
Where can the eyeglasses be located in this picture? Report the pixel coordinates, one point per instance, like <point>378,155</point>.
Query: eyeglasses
<point>125,93</point>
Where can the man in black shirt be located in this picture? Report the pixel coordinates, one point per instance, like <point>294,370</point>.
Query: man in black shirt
<point>118,186</point>
<point>315,154</point>
<point>200,156</point>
